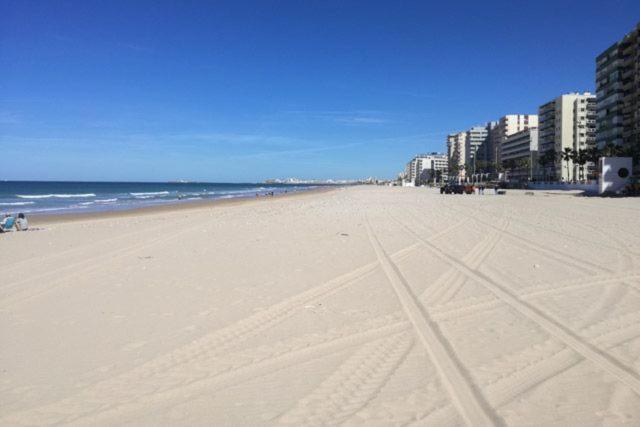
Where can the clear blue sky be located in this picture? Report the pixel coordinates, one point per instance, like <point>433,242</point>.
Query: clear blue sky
<point>243,91</point>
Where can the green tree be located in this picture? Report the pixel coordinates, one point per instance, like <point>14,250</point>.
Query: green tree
<point>633,151</point>
<point>610,150</point>
<point>582,158</point>
<point>548,159</point>
<point>593,154</point>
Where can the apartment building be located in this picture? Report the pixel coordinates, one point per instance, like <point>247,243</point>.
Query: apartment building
<point>485,154</point>
<point>426,166</point>
<point>508,125</point>
<point>520,155</point>
<point>568,121</point>
<point>618,93</point>
<point>456,151</point>
<point>476,137</point>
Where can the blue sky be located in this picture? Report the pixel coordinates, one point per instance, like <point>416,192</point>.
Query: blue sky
<point>243,91</point>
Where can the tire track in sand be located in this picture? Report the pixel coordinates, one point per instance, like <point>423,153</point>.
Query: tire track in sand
<point>116,397</point>
<point>472,406</point>
<point>445,287</point>
<point>220,341</point>
<point>626,257</point>
<point>507,377</point>
<point>354,384</point>
<point>217,372</point>
<point>545,321</point>
<point>549,252</point>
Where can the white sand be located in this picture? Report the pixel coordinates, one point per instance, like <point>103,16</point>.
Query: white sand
<point>368,306</point>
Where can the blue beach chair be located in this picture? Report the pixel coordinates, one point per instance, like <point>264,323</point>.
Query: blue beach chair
<point>7,224</point>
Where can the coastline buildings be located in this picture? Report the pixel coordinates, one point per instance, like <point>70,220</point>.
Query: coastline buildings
<point>568,121</point>
<point>424,167</point>
<point>520,154</point>
<point>572,130</point>
<point>618,94</point>
<point>479,148</point>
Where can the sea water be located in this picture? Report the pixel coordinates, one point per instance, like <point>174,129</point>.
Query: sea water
<point>61,197</point>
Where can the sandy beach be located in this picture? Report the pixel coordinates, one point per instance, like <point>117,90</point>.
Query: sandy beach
<point>359,306</point>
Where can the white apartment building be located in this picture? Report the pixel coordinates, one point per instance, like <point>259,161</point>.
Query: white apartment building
<point>508,125</point>
<point>425,166</point>
<point>485,152</point>
<point>567,121</point>
<point>520,154</point>
<point>476,137</point>
<point>456,151</point>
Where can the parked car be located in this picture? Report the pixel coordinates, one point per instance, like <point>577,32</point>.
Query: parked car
<point>469,189</point>
<point>453,189</point>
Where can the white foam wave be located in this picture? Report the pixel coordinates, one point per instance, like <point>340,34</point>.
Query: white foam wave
<point>57,196</point>
<point>150,194</point>
<point>17,203</point>
<point>66,208</point>
<point>106,200</point>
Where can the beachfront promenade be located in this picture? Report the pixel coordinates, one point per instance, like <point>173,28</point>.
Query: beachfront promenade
<point>361,305</point>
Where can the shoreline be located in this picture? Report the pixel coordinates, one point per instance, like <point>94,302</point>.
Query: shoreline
<point>36,219</point>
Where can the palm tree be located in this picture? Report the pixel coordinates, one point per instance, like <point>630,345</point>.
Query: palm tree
<point>574,160</point>
<point>610,150</point>
<point>582,159</point>
<point>567,154</point>
<point>593,154</point>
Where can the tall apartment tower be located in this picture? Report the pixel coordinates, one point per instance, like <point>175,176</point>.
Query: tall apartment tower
<point>567,121</point>
<point>485,152</point>
<point>476,137</point>
<point>456,151</point>
<point>508,125</point>
<point>618,93</point>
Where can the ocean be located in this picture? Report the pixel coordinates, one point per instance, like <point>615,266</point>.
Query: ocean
<point>42,197</point>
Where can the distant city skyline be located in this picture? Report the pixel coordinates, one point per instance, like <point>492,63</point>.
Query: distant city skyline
<point>247,91</point>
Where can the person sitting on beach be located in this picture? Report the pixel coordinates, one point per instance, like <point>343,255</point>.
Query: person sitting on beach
<point>7,223</point>
<point>21,223</point>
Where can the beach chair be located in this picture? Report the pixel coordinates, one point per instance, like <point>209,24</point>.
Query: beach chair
<point>7,224</point>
